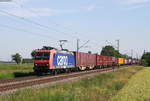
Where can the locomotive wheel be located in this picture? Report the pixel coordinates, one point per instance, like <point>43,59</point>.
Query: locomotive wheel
<point>54,72</point>
<point>68,70</point>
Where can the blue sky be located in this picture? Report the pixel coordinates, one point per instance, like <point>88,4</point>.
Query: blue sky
<point>94,20</point>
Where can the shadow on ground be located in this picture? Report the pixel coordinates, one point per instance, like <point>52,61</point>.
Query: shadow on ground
<point>21,74</point>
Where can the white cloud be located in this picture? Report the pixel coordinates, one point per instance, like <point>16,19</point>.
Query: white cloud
<point>5,0</point>
<point>37,12</point>
<point>91,7</point>
<point>16,8</point>
<point>135,7</point>
<point>136,1</point>
<point>129,2</point>
<point>133,4</point>
<point>34,12</point>
<point>20,1</point>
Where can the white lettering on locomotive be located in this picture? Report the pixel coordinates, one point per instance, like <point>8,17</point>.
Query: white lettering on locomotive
<point>62,60</point>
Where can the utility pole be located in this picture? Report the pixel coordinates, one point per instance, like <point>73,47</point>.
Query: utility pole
<point>118,45</point>
<point>108,43</point>
<point>144,51</point>
<point>61,43</point>
<point>79,47</point>
<point>131,53</point>
<point>137,56</point>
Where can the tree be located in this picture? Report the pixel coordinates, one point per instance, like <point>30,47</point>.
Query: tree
<point>126,56</point>
<point>145,60</point>
<point>110,51</point>
<point>17,58</point>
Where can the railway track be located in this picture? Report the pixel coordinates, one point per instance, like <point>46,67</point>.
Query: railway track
<point>9,86</point>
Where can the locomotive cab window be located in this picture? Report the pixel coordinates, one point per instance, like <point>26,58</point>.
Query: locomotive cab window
<point>42,56</point>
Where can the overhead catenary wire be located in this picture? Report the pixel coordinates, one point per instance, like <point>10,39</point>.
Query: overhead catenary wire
<point>26,31</point>
<point>22,18</point>
<point>33,22</point>
<point>73,35</point>
<point>23,29</point>
<point>33,12</point>
<point>37,23</point>
<point>42,35</point>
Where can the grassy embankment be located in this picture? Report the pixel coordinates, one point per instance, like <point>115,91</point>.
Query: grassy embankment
<point>137,89</point>
<point>11,70</point>
<point>97,88</point>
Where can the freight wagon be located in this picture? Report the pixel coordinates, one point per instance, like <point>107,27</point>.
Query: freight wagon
<point>130,61</point>
<point>126,61</point>
<point>99,61</point>
<point>105,61</point>
<point>85,60</point>
<point>121,61</point>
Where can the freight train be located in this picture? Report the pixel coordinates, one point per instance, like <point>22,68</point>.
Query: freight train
<point>54,61</point>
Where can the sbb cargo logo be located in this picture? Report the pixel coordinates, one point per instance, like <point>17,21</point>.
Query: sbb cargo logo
<point>62,60</point>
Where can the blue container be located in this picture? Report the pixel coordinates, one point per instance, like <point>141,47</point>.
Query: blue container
<point>63,60</point>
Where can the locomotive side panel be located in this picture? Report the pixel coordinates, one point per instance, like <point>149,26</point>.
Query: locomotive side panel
<point>62,60</point>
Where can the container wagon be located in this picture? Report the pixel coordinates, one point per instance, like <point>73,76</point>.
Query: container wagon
<point>85,60</point>
<point>99,61</point>
<point>121,61</point>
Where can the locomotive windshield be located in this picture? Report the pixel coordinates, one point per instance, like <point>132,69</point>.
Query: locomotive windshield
<point>42,56</point>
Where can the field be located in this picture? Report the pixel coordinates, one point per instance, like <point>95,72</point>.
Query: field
<point>11,70</point>
<point>97,88</point>
<point>137,89</point>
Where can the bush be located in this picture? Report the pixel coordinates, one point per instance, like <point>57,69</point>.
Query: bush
<point>144,62</point>
<point>146,59</point>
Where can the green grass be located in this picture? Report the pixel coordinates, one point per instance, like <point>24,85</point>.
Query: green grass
<point>97,88</point>
<point>11,70</point>
<point>137,89</point>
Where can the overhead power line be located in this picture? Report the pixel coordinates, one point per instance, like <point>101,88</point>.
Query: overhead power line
<point>73,35</point>
<point>27,31</point>
<point>33,12</point>
<point>118,45</point>
<point>33,22</point>
<point>79,47</point>
<point>11,15</point>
